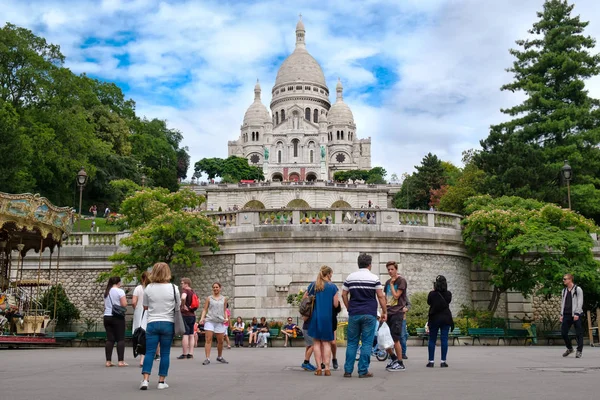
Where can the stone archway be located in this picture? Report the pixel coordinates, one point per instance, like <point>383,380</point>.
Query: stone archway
<point>277,177</point>
<point>294,177</point>
<point>254,205</point>
<point>298,203</point>
<point>341,204</point>
<point>311,177</point>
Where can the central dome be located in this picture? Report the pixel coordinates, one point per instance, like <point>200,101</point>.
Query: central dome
<point>300,66</point>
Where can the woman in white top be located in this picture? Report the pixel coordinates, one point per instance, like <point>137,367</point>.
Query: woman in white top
<point>160,300</point>
<point>114,326</point>
<point>213,318</point>
<point>140,318</point>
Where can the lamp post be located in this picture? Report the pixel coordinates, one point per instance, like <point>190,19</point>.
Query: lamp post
<point>82,178</point>
<point>567,174</point>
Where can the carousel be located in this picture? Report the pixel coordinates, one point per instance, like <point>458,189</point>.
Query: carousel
<point>29,222</point>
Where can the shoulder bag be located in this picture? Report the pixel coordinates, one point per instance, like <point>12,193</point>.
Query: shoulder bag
<point>177,318</point>
<point>307,304</point>
<point>118,311</point>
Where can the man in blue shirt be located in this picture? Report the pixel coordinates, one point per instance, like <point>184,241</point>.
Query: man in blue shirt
<point>360,293</point>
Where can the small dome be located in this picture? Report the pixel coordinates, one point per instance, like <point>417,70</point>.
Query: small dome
<point>340,113</point>
<point>257,113</point>
<point>300,25</point>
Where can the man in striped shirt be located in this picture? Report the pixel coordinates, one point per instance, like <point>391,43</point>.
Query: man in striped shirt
<point>364,289</point>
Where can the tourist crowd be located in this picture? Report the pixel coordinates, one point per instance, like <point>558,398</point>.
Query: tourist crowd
<point>376,321</point>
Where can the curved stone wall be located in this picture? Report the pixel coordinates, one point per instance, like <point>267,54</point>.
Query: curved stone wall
<point>270,262</point>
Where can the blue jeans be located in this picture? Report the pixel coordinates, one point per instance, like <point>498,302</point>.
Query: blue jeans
<point>158,332</point>
<point>433,333</point>
<point>404,337</point>
<point>360,328</point>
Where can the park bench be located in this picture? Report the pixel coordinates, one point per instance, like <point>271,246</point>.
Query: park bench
<point>494,333</point>
<point>454,335</point>
<point>551,336</point>
<point>517,334</point>
<point>65,337</point>
<point>92,336</point>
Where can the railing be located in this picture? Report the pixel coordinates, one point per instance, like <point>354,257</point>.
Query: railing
<point>93,239</point>
<point>353,185</point>
<point>327,216</point>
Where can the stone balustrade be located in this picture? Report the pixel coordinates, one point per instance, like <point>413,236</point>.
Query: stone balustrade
<point>93,239</point>
<point>315,216</point>
<point>287,183</point>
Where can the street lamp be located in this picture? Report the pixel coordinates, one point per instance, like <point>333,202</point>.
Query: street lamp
<point>567,174</point>
<point>82,178</point>
<point>143,180</point>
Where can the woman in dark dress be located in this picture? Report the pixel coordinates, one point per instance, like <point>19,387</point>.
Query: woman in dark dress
<point>440,318</point>
<point>320,327</point>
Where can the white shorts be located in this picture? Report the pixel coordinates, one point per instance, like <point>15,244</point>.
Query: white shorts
<point>216,327</point>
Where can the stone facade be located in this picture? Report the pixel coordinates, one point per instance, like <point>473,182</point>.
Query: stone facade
<point>304,137</point>
<point>276,195</point>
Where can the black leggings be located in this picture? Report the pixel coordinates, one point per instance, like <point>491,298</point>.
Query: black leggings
<point>115,332</point>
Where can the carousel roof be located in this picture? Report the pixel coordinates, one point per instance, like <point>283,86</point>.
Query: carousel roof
<point>32,221</point>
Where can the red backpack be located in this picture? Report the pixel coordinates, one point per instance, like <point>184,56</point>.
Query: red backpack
<point>195,303</point>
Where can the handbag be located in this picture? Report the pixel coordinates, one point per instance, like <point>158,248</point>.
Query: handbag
<point>118,311</point>
<point>307,304</point>
<point>138,340</point>
<point>177,317</point>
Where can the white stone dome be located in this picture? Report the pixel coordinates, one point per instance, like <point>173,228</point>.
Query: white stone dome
<point>300,66</point>
<point>340,113</point>
<point>257,113</point>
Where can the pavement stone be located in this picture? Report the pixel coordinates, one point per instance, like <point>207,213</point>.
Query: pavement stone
<point>480,372</point>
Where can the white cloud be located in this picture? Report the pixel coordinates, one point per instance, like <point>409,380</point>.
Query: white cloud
<point>449,55</point>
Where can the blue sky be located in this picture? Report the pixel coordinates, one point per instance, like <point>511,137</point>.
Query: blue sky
<point>419,75</point>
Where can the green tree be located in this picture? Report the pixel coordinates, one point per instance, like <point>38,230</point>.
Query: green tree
<point>557,120</point>
<point>66,311</point>
<point>17,153</point>
<point>232,169</point>
<point>527,246</point>
<point>469,183</point>
<point>163,231</point>
<point>416,188</point>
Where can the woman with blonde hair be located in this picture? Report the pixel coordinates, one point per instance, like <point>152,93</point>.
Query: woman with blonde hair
<point>320,326</point>
<point>160,299</point>
<point>140,318</point>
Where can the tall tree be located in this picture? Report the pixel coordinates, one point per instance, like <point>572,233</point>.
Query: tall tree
<point>232,169</point>
<point>558,120</point>
<point>430,175</point>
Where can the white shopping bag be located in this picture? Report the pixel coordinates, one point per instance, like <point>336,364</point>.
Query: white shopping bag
<point>384,337</point>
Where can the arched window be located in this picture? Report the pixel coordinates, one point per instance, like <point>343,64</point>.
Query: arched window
<point>342,136</point>
<point>295,143</point>
<point>338,135</point>
<point>307,114</point>
<point>311,156</point>
<point>279,156</point>
<point>276,117</point>
<point>257,136</point>
<point>282,115</point>
<point>316,116</point>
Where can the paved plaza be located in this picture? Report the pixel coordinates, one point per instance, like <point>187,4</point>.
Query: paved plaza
<point>478,372</point>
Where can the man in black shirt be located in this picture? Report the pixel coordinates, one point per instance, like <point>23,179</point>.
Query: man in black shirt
<point>571,313</point>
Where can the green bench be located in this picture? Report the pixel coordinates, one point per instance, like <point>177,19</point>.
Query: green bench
<point>551,336</point>
<point>274,333</point>
<point>494,333</point>
<point>67,337</point>
<point>92,336</point>
<point>454,335</point>
<point>517,334</point>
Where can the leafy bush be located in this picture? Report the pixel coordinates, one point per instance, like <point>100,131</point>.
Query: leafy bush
<point>481,318</point>
<point>419,307</point>
<point>464,324</point>
<point>412,323</point>
<point>66,312</point>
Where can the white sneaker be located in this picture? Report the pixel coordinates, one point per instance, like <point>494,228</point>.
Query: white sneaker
<point>144,385</point>
<point>162,385</point>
